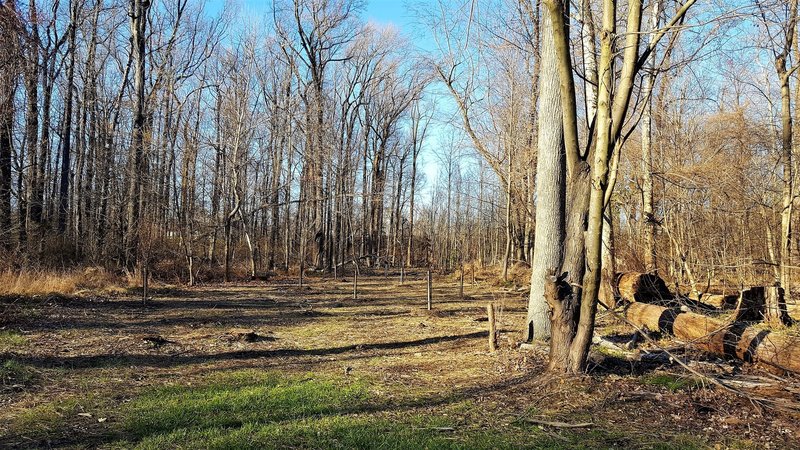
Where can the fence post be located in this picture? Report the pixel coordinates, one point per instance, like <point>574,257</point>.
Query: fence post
<point>355,284</point>
<point>430,289</point>
<point>492,328</point>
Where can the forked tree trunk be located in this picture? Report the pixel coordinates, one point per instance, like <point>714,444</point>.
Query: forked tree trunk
<point>574,303</point>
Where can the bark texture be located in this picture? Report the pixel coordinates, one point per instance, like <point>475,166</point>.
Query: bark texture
<point>550,187</point>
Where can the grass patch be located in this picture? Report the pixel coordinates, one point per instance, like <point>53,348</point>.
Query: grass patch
<point>14,374</point>
<point>673,383</point>
<point>11,340</point>
<point>346,432</point>
<point>49,419</point>
<point>251,409</point>
<point>238,398</point>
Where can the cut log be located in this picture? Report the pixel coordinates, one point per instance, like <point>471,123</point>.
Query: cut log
<point>720,301</point>
<point>736,340</point>
<point>642,287</point>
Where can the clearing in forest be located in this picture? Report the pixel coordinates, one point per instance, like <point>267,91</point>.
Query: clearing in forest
<point>274,365</point>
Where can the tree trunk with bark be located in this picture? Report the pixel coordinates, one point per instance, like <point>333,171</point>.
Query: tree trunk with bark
<point>549,232</point>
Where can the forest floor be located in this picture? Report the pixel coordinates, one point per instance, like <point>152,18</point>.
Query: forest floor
<point>274,365</point>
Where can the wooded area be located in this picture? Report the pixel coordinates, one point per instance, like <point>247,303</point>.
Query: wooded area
<point>632,162</point>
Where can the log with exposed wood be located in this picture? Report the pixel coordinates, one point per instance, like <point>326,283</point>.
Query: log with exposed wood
<point>733,339</point>
<point>720,301</point>
<point>642,287</point>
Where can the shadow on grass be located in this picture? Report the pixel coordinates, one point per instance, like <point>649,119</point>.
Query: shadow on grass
<point>167,360</point>
<point>254,409</point>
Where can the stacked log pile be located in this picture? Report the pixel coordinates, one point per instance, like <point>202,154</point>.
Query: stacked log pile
<point>740,336</point>
<point>742,340</point>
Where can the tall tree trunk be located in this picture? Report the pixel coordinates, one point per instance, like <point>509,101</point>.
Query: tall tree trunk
<point>66,135</point>
<point>32,114</point>
<point>549,233</point>
<point>138,17</point>
<point>507,252</point>
<point>648,217</point>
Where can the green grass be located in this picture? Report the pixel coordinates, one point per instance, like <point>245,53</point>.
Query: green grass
<point>46,419</point>
<point>254,409</point>
<point>11,340</point>
<point>673,383</point>
<point>345,432</point>
<point>250,409</point>
<point>237,398</point>
<point>15,374</point>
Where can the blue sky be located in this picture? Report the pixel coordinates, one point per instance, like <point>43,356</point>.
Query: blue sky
<point>383,11</point>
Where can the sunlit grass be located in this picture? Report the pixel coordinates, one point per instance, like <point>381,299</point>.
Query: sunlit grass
<point>14,374</point>
<point>11,340</point>
<point>673,383</point>
<point>34,282</point>
<point>251,409</point>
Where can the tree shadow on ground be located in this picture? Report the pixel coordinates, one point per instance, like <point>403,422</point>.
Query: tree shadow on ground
<point>175,360</point>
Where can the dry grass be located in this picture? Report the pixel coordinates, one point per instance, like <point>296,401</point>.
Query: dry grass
<point>28,283</point>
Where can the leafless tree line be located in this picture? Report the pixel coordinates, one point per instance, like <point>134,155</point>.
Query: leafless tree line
<point>157,134</point>
<point>576,137</point>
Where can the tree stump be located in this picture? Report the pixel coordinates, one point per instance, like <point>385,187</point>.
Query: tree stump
<point>775,312</point>
<point>750,307</point>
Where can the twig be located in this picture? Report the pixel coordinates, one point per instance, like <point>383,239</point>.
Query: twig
<point>558,424</point>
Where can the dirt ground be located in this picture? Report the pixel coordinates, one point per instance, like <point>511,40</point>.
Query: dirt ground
<point>96,353</point>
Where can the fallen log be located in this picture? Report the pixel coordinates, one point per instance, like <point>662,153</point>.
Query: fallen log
<point>732,339</point>
<point>642,287</point>
<point>720,301</point>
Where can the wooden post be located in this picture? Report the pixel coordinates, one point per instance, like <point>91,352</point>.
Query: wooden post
<point>144,284</point>
<point>355,284</point>
<point>461,284</point>
<point>492,327</point>
<point>335,277</point>
<point>473,275</point>
<point>402,273</point>
<point>301,274</point>
<point>430,289</point>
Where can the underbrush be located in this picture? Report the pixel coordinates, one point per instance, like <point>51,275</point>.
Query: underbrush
<point>519,274</point>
